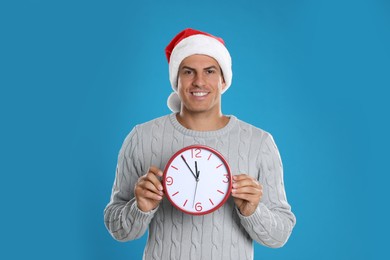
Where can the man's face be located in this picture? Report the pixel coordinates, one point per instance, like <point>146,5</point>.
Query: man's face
<point>200,83</point>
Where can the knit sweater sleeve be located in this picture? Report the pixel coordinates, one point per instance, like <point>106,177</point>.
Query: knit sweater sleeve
<point>272,222</point>
<point>122,217</point>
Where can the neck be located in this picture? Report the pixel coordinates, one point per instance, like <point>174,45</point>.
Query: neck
<point>202,121</point>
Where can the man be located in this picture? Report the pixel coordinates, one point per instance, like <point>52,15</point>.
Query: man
<point>200,71</point>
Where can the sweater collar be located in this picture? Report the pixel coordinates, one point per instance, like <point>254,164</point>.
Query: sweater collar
<point>215,133</point>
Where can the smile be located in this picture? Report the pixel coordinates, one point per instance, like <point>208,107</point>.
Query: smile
<point>199,94</point>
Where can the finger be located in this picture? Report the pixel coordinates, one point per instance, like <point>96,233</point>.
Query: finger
<point>156,171</point>
<point>151,187</point>
<point>248,191</point>
<point>243,182</point>
<point>146,189</point>
<point>251,198</point>
<point>243,178</point>
<point>246,198</point>
<point>151,178</point>
<point>148,194</point>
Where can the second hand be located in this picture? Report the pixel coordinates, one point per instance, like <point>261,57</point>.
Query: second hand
<point>197,180</point>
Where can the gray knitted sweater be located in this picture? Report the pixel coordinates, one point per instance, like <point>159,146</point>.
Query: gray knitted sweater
<point>223,234</point>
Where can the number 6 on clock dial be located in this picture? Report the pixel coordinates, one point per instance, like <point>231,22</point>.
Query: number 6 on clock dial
<point>197,180</point>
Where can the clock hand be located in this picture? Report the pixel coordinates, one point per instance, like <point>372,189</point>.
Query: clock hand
<point>196,178</point>
<point>196,170</point>
<point>196,188</point>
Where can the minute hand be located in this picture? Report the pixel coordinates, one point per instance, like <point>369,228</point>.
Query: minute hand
<point>189,167</point>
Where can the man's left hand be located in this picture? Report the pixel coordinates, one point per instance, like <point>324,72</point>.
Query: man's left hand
<point>247,193</point>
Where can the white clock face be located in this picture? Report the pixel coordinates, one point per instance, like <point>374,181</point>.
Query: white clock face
<point>197,180</point>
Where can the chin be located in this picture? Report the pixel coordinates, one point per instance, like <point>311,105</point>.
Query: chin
<point>200,109</point>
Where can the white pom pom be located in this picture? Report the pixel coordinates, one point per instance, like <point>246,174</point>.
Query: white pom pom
<point>174,102</point>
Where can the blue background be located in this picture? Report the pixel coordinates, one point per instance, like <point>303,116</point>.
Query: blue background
<point>76,76</point>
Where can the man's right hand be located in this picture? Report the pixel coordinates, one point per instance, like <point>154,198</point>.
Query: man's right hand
<point>149,190</point>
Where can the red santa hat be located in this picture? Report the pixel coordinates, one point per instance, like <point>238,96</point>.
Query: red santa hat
<point>189,42</point>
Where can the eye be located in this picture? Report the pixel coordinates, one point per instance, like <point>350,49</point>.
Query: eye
<point>210,71</point>
<point>187,72</point>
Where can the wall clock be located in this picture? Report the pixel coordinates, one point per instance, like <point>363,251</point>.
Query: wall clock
<point>197,180</point>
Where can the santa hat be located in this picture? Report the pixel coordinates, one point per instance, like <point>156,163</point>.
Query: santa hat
<point>190,42</point>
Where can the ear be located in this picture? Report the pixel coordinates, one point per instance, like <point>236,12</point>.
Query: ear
<point>223,84</point>
<point>223,81</point>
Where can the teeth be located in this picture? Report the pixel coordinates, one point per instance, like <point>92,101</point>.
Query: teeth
<point>199,94</point>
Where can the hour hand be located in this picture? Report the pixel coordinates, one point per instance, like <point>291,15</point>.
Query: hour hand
<point>195,176</point>
<point>196,170</point>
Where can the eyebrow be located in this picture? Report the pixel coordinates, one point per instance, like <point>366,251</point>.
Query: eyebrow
<point>207,68</point>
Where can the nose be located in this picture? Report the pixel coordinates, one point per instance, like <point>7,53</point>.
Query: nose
<point>199,80</point>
